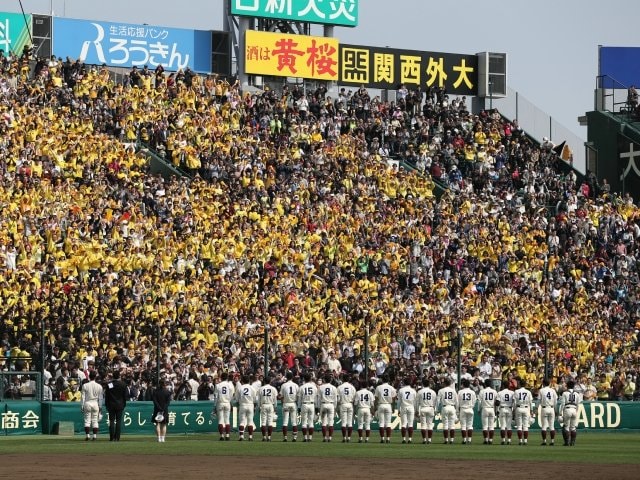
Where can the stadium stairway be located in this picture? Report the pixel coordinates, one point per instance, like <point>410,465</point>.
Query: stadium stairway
<point>159,165</point>
<point>440,187</point>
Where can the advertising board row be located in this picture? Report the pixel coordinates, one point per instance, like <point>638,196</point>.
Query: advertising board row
<point>30,418</point>
<point>115,44</point>
<point>266,53</point>
<point>321,58</point>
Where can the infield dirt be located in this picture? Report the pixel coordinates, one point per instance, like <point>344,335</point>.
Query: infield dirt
<point>181,467</point>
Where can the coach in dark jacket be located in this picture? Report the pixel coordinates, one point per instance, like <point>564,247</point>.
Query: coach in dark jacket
<point>115,398</point>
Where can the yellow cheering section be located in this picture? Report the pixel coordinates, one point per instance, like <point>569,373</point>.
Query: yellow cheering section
<point>286,55</point>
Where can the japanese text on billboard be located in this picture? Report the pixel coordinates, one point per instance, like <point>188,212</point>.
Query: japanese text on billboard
<point>387,68</point>
<point>124,45</point>
<point>287,55</point>
<point>334,12</point>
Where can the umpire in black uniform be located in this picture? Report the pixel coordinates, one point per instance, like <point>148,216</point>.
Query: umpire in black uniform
<point>115,398</point>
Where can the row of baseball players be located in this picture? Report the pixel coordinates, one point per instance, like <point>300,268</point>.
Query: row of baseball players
<point>311,400</point>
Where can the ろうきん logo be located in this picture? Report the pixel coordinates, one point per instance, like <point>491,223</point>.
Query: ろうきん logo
<point>97,43</point>
<point>134,46</point>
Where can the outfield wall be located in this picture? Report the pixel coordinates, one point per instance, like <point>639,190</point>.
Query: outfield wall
<point>31,418</point>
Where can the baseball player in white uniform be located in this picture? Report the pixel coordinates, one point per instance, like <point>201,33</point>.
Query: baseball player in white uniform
<point>407,409</point>
<point>548,402</point>
<point>385,395</point>
<point>328,399</point>
<point>91,398</point>
<point>523,401</point>
<point>487,409</point>
<point>307,403</point>
<point>448,406</point>
<point>426,399</point>
<point>223,395</point>
<point>467,400</point>
<point>268,398</point>
<point>289,396</point>
<point>569,403</point>
<point>246,397</point>
<point>505,413</point>
<point>346,398</point>
<point>364,402</point>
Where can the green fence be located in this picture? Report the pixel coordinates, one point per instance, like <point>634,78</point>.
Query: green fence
<point>184,417</point>
<point>21,417</point>
<point>30,417</point>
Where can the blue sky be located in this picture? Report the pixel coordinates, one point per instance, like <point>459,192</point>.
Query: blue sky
<point>552,45</point>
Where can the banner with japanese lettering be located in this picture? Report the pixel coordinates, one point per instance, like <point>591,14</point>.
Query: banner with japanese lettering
<point>286,55</point>
<point>20,418</point>
<point>332,12</point>
<point>387,68</point>
<point>30,417</point>
<point>130,45</point>
<point>14,32</point>
<point>184,417</point>
<point>628,170</point>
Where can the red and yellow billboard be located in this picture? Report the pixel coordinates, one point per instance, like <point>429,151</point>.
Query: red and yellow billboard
<point>285,55</point>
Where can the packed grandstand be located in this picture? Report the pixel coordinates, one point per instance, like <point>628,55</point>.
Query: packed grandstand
<point>315,217</point>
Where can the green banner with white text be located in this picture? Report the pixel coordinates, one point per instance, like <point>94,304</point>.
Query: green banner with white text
<point>21,417</point>
<point>30,417</point>
<point>184,417</point>
<point>331,12</point>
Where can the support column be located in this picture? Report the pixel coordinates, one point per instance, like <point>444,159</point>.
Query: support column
<point>243,26</point>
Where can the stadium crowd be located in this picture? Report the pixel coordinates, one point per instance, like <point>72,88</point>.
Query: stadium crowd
<point>292,217</point>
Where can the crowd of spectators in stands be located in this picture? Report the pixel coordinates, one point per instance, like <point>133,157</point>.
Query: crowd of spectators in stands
<point>291,217</point>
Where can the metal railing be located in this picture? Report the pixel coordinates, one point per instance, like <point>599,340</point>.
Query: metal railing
<point>538,124</point>
<point>160,164</point>
<point>611,95</point>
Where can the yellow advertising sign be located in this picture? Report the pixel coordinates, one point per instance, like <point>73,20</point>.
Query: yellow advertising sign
<point>286,55</point>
